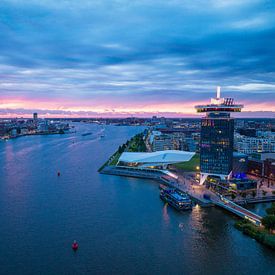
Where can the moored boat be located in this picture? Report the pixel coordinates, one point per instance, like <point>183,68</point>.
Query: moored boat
<point>176,198</point>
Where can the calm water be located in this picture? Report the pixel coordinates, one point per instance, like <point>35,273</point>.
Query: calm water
<point>120,223</point>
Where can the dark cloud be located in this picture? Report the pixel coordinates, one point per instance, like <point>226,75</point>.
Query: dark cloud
<point>136,52</point>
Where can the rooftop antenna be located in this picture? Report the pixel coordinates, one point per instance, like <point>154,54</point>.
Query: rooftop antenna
<point>218,92</point>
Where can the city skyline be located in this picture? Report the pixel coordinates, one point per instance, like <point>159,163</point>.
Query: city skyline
<point>139,58</point>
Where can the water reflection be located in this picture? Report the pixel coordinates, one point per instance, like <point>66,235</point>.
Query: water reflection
<point>165,213</point>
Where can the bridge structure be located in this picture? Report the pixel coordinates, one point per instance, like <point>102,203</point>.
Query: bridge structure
<point>238,210</point>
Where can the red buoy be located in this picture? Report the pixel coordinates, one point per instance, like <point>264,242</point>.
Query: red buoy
<point>75,245</point>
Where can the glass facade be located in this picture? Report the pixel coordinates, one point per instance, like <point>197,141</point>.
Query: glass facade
<point>216,145</point>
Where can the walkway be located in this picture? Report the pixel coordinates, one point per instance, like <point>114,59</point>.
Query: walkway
<point>238,210</point>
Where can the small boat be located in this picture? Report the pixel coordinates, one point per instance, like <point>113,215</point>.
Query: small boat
<point>175,198</point>
<point>86,134</point>
<point>75,245</point>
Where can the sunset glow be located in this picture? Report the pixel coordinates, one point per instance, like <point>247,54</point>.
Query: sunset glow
<point>104,60</point>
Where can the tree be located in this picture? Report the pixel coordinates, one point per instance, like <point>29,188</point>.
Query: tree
<point>120,150</point>
<point>269,222</point>
<point>271,210</point>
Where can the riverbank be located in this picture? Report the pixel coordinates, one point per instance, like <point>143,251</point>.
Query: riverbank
<point>60,132</point>
<point>260,234</point>
<point>135,144</point>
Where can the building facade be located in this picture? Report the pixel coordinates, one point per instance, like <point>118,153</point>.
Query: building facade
<point>250,145</point>
<point>217,137</point>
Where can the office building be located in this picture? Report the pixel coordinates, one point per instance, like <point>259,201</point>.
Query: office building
<point>217,137</point>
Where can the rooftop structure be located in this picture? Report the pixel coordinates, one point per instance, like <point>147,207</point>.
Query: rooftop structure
<point>218,104</point>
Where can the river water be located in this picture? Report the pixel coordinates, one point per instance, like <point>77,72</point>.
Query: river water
<point>121,224</point>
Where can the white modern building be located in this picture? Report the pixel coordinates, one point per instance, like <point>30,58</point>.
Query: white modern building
<point>154,159</point>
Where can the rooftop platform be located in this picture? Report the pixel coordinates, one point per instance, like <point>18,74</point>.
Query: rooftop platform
<point>218,104</point>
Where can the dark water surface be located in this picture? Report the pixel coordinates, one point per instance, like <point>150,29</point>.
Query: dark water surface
<point>120,223</point>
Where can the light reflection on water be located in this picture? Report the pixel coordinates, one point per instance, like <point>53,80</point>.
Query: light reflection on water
<point>165,213</point>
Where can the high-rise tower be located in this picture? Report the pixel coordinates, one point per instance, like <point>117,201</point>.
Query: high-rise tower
<point>217,137</point>
<point>35,116</point>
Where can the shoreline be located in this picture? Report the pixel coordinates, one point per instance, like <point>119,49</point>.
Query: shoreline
<point>257,233</point>
<point>36,134</point>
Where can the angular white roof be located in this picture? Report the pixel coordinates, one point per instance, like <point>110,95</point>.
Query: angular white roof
<point>168,156</point>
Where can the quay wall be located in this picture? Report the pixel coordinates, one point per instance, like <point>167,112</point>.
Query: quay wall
<point>157,175</point>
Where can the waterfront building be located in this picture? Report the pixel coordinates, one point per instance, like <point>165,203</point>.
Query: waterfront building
<point>13,132</point>
<point>24,131</point>
<point>217,137</point>
<point>160,159</point>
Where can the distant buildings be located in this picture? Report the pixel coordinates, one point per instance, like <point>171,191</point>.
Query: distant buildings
<point>217,137</point>
<point>164,142</point>
<point>35,116</point>
<point>182,139</point>
<point>168,141</point>
<point>262,142</point>
<point>11,128</point>
<point>256,139</point>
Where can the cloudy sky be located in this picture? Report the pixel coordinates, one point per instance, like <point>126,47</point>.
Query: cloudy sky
<point>135,57</point>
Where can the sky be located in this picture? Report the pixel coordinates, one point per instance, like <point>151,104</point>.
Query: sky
<point>135,57</point>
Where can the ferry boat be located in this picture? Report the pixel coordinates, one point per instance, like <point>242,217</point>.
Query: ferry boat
<point>176,198</point>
